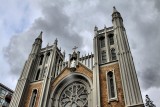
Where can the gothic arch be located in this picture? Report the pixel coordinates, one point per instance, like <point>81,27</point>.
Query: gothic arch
<point>79,82</point>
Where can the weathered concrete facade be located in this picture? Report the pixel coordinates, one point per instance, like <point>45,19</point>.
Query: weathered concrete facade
<point>106,78</point>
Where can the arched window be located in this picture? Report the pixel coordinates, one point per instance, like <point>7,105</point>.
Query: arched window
<point>111,39</point>
<point>48,54</point>
<point>41,59</point>
<point>113,54</point>
<point>37,75</point>
<point>73,91</point>
<point>102,41</point>
<point>103,55</point>
<point>33,98</point>
<point>111,85</point>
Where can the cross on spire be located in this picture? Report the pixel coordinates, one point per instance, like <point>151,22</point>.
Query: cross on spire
<point>74,48</point>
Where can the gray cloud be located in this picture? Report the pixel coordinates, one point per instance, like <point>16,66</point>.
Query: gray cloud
<point>157,4</point>
<point>54,23</point>
<point>73,22</point>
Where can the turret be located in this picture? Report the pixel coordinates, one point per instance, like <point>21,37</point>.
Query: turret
<point>95,30</point>
<point>37,44</point>
<point>116,18</point>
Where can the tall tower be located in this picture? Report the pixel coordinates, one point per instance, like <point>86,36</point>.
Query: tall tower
<point>131,89</point>
<point>106,78</point>
<point>114,66</point>
<point>25,78</point>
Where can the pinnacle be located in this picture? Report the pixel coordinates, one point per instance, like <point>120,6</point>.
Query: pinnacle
<point>56,41</point>
<point>95,28</point>
<point>40,35</point>
<point>114,9</point>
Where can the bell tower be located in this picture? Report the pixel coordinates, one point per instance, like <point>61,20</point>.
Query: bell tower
<point>25,78</point>
<point>114,75</point>
<point>131,89</point>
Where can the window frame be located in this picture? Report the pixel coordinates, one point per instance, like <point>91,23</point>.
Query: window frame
<point>1,101</point>
<point>102,56</point>
<point>108,89</point>
<point>2,92</point>
<point>37,75</point>
<point>47,57</point>
<point>102,42</point>
<point>112,54</point>
<point>111,37</point>
<point>41,59</point>
<point>31,98</point>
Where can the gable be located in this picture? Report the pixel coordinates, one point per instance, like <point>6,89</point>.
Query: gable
<point>80,69</point>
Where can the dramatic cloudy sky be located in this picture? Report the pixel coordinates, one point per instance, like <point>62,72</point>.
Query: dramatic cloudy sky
<point>72,22</point>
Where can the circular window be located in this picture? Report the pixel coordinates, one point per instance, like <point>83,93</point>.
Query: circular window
<point>72,91</point>
<point>74,95</point>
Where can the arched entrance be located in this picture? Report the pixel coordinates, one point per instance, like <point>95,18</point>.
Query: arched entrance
<point>73,91</point>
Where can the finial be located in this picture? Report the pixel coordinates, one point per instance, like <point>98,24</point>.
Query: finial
<point>74,48</point>
<point>40,35</point>
<point>105,27</point>
<point>56,41</point>
<point>64,53</point>
<point>95,28</point>
<point>114,9</point>
<point>47,44</point>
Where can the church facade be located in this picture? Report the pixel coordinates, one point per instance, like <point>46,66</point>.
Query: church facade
<point>106,78</point>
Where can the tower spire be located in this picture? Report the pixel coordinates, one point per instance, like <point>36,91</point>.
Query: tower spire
<point>95,28</point>
<point>40,36</point>
<point>114,9</point>
<point>56,41</point>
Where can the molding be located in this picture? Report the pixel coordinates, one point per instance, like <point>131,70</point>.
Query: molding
<point>109,63</point>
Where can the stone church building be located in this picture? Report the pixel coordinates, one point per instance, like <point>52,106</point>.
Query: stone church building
<point>106,78</point>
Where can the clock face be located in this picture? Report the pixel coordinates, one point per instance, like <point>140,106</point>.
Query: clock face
<point>74,95</point>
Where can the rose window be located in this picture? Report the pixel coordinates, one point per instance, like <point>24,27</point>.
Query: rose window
<point>74,95</point>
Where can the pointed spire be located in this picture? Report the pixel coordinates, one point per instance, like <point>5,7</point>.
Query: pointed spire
<point>95,28</point>
<point>105,27</point>
<point>64,53</point>
<point>47,44</point>
<point>60,49</point>
<point>40,36</point>
<point>56,42</point>
<point>114,9</point>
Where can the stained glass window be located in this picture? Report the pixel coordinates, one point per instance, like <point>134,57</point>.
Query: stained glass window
<point>74,95</point>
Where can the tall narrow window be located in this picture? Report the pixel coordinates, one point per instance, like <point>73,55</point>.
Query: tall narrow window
<point>111,85</point>
<point>104,56</point>
<point>47,57</point>
<point>111,39</point>
<point>33,98</point>
<point>102,42</point>
<point>1,101</point>
<point>113,54</point>
<point>37,75</point>
<point>41,59</point>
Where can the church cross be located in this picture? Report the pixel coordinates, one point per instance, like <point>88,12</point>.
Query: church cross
<point>74,48</point>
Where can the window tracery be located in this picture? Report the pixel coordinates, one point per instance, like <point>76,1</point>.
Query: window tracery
<point>74,95</point>
<point>113,54</point>
<point>111,39</point>
<point>111,85</point>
